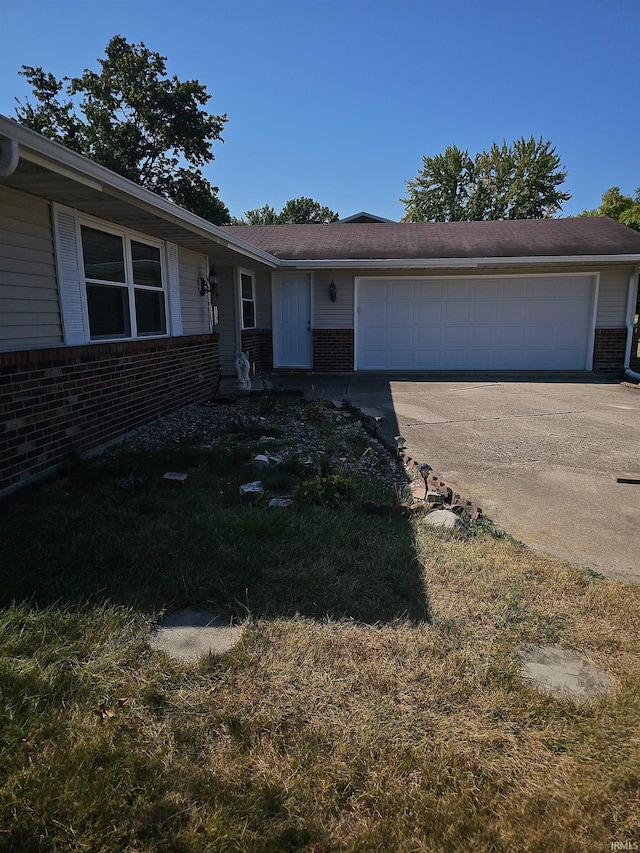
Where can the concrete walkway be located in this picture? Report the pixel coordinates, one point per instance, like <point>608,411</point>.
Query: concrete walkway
<point>539,454</point>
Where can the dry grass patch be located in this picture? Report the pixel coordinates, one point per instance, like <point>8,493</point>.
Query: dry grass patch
<point>405,727</point>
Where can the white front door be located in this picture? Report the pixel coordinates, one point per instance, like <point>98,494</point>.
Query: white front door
<point>292,327</point>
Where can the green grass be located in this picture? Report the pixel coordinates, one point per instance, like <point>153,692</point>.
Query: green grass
<point>373,704</point>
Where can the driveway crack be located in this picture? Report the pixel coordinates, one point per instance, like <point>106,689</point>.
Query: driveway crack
<point>497,418</point>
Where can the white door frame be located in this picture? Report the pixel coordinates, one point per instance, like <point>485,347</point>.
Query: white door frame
<point>276,319</point>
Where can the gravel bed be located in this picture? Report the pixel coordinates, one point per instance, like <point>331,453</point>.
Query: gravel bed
<point>294,428</point>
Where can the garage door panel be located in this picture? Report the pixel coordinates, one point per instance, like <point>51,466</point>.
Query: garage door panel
<point>485,290</point>
<point>539,337</point>
<point>374,313</point>
<point>402,314</point>
<point>512,312</point>
<point>429,337</point>
<point>455,336</point>
<point>482,336</point>
<point>483,312</point>
<point>456,312</point>
<point>428,291</point>
<point>402,290</point>
<point>401,359</point>
<point>475,323</point>
<point>429,313</point>
<point>509,336</point>
<point>512,288</point>
<point>375,291</point>
<point>374,336</point>
<point>457,290</point>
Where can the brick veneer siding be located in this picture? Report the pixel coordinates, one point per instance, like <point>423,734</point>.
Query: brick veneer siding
<point>333,350</point>
<point>608,350</point>
<point>74,399</point>
<point>259,344</point>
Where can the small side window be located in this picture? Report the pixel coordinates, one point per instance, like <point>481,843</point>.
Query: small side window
<point>247,295</point>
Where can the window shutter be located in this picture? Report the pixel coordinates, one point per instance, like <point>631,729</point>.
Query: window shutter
<point>70,277</point>
<point>173,283</point>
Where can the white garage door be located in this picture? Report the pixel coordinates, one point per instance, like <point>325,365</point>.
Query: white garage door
<point>474,323</point>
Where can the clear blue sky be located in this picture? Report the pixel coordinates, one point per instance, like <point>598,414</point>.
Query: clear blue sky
<point>340,99</point>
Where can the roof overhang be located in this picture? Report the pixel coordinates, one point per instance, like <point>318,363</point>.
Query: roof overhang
<point>51,171</point>
<point>456,263</point>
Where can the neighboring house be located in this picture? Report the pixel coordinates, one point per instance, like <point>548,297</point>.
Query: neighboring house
<point>117,306</point>
<point>364,217</point>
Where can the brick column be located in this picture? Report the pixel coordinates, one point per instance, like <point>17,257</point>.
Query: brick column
<point>333,350</point>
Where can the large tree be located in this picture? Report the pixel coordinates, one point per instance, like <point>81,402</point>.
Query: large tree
<point>518,181</point>
<point>297,211</point>
<point>132,118</point>
<point>624,208</point>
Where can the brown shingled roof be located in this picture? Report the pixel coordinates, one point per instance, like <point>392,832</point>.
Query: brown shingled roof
<point>424,240</point>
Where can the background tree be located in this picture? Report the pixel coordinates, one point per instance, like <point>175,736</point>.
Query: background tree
<point>297,211</point>
<point>624,208</point>
<point>520,181</point>
<point>134,119</point>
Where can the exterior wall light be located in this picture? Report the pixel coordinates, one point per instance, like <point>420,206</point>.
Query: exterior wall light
<point>332,291</point>
<point>209,284</point>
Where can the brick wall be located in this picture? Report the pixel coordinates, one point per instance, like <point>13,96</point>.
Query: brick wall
<point>608,350</point>
<point>73,399</point>
<point>258,343</point>
<point>333,350</point>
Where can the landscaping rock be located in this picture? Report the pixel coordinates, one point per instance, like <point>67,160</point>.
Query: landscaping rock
<point>175,477</point>
<point>252,491</point>
<point>435,498</point>
<point>280,502</point>
<point>261,460</point>
<point>447,519</point>
<point>563,673</point>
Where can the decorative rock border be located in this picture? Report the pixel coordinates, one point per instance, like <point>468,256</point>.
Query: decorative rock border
<point>433,485</point>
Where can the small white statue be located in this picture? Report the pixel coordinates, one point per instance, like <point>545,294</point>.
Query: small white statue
<point>242,370</point>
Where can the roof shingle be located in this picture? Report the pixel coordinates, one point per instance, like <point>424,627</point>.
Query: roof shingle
<point>429,240</point>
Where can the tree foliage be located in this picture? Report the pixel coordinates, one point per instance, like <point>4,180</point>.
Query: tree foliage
<point>518,181</point>
<point>297,211</point>
<point>624,208</point>
<point>134,119</point>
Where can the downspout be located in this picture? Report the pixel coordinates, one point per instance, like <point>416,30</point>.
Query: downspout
<point>9,157</point>
<point>632,301</point>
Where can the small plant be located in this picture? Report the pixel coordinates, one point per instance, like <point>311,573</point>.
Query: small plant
<point>268,403</point>
<point>326,490</point>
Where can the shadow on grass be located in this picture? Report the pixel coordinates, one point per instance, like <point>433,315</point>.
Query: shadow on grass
<point>116,532</point>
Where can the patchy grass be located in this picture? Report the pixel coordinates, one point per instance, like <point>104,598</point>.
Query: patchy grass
<point>353,716</point>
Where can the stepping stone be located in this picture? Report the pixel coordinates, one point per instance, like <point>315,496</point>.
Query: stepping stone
<point>191,633</point>
<point>563,673</point>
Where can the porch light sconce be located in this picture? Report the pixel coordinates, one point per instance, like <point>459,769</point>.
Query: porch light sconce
<point>209,284</point>
<point>332,291</point>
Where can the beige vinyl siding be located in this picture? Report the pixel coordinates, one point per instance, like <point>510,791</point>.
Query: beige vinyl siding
<point>226,328</point>
<point>263,299</point>
<point>338,314</point>
<point>29,305</point>
<point>612,298</point>
<point>195,308</point>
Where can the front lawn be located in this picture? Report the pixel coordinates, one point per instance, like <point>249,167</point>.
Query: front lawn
<point>374,702</point>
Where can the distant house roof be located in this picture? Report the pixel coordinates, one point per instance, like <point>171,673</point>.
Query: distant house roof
<point>364,218</point>
<point>582,237</point>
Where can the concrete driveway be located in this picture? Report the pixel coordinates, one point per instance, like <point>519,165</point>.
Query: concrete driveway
<point>540,457</point>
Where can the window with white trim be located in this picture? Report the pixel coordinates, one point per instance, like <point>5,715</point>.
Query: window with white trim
<point>248,299</point>
<point>124,284</point>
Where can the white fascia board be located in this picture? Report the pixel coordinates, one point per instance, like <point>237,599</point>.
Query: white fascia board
<point>456,263</point>
<point>45,152</point>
